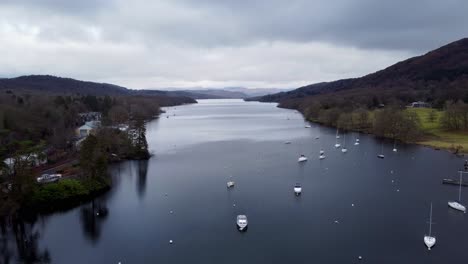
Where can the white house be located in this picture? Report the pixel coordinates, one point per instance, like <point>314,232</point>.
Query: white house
<point>86,129</point>
<point>34,159</point>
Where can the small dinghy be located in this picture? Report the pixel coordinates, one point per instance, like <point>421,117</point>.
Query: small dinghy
<point>230,184</point>
<point>337,145</point>
<point>307,126</point>
<point>302,158</point>
<point>344,150</point>
<point>242,222</point>
<point>297,189</point>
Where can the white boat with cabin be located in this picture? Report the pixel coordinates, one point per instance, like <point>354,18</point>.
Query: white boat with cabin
<point>302,158</point>
<point>297,189</point>
<point>242,222</point>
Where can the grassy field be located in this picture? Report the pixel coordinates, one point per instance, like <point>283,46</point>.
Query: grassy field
<point>438,137</point>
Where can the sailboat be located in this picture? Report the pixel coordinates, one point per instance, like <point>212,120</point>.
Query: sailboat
<point>322,154</point>
<point>394,146</point>
<point>456,204</point>
<point>357,142</point>
<point>381,155</point>
<point>344,149</point>
<point>302,158</point>
<point>429,240</point>
<point>337,145</point>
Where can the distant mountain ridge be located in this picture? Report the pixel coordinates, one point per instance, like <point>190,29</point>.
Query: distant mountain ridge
<point>442,69</point>
<point>228,92</point>
<point>60,85</point>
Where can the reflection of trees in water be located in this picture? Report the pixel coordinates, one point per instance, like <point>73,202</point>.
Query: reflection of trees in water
<point>25,248</point>
<point>142,173</point>
<point>92,217</point>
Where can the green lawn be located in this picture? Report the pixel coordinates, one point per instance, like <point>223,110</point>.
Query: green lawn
<point>436,136</point>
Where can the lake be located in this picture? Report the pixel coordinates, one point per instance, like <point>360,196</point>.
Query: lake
<point>352,204</point>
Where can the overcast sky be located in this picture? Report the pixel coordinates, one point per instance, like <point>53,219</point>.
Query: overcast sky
<point>218,43</point>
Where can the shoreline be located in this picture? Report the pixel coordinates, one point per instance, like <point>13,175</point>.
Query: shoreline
<point>424,142</point>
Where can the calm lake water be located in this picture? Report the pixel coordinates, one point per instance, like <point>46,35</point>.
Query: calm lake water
<point>201,146</point>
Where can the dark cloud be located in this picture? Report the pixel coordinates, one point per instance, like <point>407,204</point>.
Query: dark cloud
<point>397,24</point>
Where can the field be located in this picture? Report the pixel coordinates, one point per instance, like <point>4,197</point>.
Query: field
<point>438,137</point>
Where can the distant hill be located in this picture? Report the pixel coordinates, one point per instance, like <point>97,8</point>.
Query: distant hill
<point>62,86</point>
<point>226,92</point>
<point>439,75</point>
<point>251,92</point>
<point>59,85</point>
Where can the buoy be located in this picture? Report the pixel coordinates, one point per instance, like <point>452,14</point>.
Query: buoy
<point>170,241</point>
<point>360,257</point>
<point>398,190</point>
<point>391,171</point>
<point>234,205</point>
<point>352,204</point>
<point>337,222</point>
<point>171,212</point>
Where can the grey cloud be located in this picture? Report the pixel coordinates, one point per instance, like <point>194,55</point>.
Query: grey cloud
<point>262,43</point>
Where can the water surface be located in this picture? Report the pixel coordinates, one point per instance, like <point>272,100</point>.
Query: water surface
<point>198,148</point>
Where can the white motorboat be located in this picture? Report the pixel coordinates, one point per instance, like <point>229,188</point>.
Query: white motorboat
<point>230,184</point>
<point>297,189</point>
<point>457,204</point>
<point>307,126</point>
<point>429,240</point>
<point>302,158</point>
<point>357,142</point>
<point>344,150</point>
<point>242,222</point>
<point>337,145</point>
<point>47,178</point>
<point>322,156</point>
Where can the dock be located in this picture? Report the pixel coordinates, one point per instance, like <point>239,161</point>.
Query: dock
<point>454,182</point>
